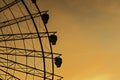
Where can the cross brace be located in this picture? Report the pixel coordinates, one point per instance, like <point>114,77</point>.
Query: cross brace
<point>17,20</point>
<point>22,36</point>
<point>25,52</point>
<point>8,74</point>
<point>22,68</point>
<point>9,5</point>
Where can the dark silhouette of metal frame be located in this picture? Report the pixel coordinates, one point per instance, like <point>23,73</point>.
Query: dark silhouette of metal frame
<point>22,52</point>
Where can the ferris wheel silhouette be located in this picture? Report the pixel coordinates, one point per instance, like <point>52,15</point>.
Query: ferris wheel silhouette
<point>26,51</point>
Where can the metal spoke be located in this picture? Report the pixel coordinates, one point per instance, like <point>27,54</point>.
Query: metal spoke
<point>17,20</point>
<point>24,52</point>
<point>22,68</point>
<point>10,75</point>
<point>23,36</point>
<point>9,5</point>
<point>25,42</point>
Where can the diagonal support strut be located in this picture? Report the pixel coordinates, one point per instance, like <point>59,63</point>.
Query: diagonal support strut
<point>9,5</point>
<point>22,36</point>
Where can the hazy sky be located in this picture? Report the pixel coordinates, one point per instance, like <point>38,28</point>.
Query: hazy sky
<point>89,37</point>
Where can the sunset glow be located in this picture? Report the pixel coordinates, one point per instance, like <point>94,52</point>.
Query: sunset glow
<point>89,38</point>
<point>88,34</point>
<point>97,77</point>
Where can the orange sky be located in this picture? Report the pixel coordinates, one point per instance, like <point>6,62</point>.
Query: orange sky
<point>89,37</point>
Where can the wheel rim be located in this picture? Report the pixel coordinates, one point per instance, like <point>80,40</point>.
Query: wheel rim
<point>25,50</point>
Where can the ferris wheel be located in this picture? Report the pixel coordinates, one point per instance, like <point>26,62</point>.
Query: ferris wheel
<point>26,51</point>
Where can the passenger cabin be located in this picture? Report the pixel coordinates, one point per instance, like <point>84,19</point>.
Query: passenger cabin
<point>33,1</point>
<point>45,18</point>
<point>53,39</point>
<point>58,61</point>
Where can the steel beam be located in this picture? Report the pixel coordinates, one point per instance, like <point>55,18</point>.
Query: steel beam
<point>25,52</point>
<point>17,20</point>
<point>9,5</point>
<point>9,74</point>
<point>25,69</point>
<point>22,36</point>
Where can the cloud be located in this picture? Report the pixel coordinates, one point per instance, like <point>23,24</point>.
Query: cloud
<point>92,6</point>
